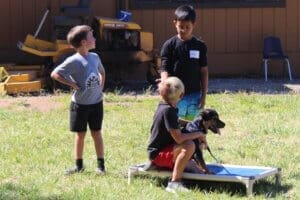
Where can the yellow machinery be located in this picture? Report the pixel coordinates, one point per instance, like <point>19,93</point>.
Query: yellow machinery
<point>125,50</point>
<point>19,82</point>
<point>44,48</point>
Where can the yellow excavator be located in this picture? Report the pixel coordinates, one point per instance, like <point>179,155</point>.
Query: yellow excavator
<point>125,50</point>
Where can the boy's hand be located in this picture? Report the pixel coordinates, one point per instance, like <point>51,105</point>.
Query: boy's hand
<point>201,103</point>
<point>210,172</point>
<point>75,86</point>
<point>203,145</point>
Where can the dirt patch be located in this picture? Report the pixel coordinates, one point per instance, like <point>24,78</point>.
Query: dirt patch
<point>40,103</point>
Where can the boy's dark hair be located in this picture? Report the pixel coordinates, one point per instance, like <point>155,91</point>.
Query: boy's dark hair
<point>185,13</point>
<point>77,34</point>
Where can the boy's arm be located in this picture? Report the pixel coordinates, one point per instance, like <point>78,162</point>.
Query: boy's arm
<point>180,138</point>
<point>163,75</point>
<point>59,78</point>
<point>101,71</point>
<point>166,65</point>
<point>183,122</point>
<point>204,86</point>
<point>102,78</point>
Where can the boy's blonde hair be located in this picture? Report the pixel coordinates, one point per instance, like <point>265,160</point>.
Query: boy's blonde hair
<point>171,89</point>
<point>77,34</point>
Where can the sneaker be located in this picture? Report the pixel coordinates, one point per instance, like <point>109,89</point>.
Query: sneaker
<point>149,166</point>
<point>100,171</point>
<point>176,187</point>
<point>73,170</point>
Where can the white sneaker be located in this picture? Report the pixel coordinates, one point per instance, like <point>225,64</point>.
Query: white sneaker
<point>100,171</point>
<point>176,187</point>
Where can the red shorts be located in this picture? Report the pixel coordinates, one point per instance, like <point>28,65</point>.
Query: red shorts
<point>165,158</point>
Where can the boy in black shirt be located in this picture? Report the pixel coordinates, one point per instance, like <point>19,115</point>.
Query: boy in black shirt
<point>184,56</point>
<point>168,147</point>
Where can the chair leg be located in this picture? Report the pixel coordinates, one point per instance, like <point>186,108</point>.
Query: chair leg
<point>289,69</point>
<point>265,61</point>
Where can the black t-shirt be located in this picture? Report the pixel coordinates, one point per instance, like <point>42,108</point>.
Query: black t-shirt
<point>184,60</point>
<point>165,119</point>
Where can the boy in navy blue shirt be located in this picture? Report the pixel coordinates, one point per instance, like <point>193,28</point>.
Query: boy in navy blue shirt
<point>184,56</point>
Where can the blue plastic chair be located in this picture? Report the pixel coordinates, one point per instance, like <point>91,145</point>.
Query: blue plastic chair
<point>273,51</point>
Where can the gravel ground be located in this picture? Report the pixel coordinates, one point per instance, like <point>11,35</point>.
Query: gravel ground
<point>228,85</point>
<point>254,85</point>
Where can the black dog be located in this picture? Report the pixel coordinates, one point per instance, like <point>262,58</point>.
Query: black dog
<point>198,125</point>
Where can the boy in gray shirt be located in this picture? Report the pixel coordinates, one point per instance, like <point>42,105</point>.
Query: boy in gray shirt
<point>85,73</point>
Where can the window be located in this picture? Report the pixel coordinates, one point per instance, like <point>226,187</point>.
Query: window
<point>138,4</point>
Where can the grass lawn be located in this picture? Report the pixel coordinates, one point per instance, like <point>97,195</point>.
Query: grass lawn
<point>36,147</point>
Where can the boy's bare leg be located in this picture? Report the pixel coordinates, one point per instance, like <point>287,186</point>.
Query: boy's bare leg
<point>182,155</point>
<point>79,144</point>
<point>78,153</point>
<point>98,142</point>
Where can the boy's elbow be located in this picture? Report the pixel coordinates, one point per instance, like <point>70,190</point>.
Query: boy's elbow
<point>53,75</point>
<point>179,140</point>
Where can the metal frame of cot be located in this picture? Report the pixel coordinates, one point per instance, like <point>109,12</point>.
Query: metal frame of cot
<point>224,176</point>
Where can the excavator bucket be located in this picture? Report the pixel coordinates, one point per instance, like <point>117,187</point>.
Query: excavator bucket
<point>38,47</point>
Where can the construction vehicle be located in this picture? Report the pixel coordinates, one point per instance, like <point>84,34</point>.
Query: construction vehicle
<point>125,50</point>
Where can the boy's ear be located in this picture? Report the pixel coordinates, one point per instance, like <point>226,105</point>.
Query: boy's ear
<point>83,42</point>
<point>174,22</point>
<point>181,95</point>
<point>194,24</point>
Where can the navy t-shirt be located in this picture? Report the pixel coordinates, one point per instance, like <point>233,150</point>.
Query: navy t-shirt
<point>165,119</point>
<point>184,60</point>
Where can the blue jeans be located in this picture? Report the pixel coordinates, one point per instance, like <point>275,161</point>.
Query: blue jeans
<point>188,106</point>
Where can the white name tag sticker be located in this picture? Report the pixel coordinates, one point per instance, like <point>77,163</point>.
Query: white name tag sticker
<point>194,54</point>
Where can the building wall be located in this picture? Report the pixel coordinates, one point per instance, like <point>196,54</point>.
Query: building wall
<point>234,36</point>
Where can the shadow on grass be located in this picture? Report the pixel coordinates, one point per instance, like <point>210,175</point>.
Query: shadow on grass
<point>12,191</point>
<point>270,189</point>
<point>261,187</point>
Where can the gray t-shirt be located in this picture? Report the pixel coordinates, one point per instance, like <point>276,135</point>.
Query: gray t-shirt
<point>84,71</point>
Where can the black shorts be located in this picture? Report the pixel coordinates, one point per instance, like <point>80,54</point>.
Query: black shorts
<point>81,115</point>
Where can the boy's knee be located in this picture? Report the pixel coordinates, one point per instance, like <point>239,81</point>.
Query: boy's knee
<point>96,135</point>
<point>190,146</point>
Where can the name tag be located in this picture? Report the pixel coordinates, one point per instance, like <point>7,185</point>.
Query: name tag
<point>194,54</point>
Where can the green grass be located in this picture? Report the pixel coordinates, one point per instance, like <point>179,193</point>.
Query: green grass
<point>36,148</point>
